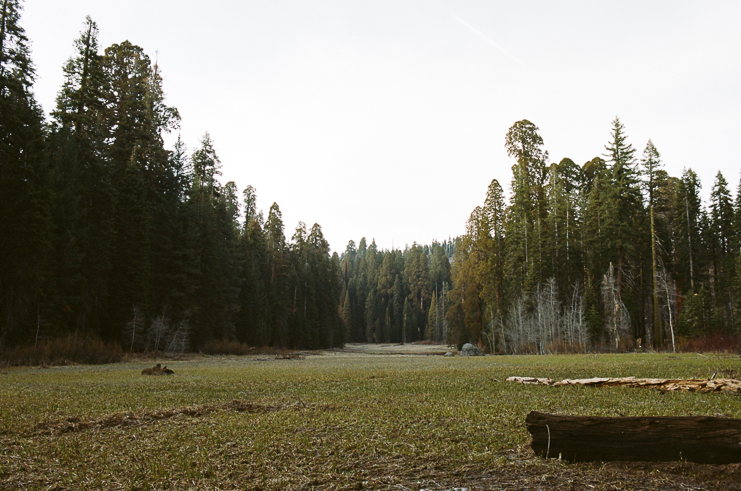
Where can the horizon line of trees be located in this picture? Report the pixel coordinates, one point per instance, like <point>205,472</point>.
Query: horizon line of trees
<point>396,296</point>
<point>105,232</point>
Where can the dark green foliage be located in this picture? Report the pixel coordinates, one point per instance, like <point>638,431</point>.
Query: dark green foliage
<point>24,188</point>
<point>723,249</point>
<point>106,234</point>
<point>538,283</point>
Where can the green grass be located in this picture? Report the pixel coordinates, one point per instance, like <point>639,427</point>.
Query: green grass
<point>329,421</point>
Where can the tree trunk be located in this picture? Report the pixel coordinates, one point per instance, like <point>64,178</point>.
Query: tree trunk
<point>689,241</point>
<point>658,327</point>
<point>700,439</point>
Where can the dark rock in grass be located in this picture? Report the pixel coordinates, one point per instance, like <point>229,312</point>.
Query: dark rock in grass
<point>470,350</point>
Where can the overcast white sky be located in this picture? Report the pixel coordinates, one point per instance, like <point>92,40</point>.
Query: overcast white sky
<point>386,119</point>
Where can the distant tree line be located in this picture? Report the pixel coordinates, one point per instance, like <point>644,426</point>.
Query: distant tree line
<point>395,296</point>
<point>105,233</point>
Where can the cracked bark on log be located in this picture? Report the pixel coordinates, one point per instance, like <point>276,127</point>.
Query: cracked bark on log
<point>700,439</point>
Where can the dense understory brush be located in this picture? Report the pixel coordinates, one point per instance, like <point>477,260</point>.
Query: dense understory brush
<point>72,349</point>
<point>718,342</point>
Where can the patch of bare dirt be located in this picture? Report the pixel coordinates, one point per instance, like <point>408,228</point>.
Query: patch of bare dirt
<point>75,424</point>
<point>535,474</point>
<point>396,349</point>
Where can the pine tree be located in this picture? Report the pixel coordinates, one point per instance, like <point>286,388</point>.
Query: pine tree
<point>723,249</point>
<point>494,212</point>
<point>416,276</point>
<point>527,211</point>
<point>688,237</point>
<point>651,164</point>
<point>216,212</point>
<point>594,245</point>
<point>624,219</point>
<point>278,295</point>
<point>386,290</point>
<point>737,296</point>
<point>82,189</point>
<point>24,218</point>
<point>253,318</point>
<point>562,241</point>
<point>131,273</point>
<point>174,260</point>
<point>80,102</point>
<point>397,307</point>
<point>722,214</point>
<point>466,295</point>
<point>433,320</point>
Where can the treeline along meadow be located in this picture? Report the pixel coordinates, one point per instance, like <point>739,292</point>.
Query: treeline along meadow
<point>611,255</point>
<point>107,234</point>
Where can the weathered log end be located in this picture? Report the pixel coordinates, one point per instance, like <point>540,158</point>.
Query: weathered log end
<point>699,439</point>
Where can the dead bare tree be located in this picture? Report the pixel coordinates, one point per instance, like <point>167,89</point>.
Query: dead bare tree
<point>494,331</point>
<point>158,331</point>
<point>574,321</point>
<point>667,290</point>
<point>164,335</point>
<point>617,317</point>
<point>519,331</point>
<point>135,327</point>
<point>178,338</point>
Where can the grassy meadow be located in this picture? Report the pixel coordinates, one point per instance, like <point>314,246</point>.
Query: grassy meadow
<point>347,419</point>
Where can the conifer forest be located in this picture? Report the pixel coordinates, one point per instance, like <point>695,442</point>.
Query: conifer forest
<point>107,233</point>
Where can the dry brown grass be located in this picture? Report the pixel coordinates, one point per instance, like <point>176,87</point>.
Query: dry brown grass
<point>711,343</point>
<point>72,349</point>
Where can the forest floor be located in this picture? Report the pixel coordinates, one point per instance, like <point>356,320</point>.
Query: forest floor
<point>364,417</point>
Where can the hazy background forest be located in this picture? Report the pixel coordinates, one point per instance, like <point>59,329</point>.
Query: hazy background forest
<point>107,235</point>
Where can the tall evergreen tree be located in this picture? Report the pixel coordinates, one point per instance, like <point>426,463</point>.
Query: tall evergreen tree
<point>651,164</point>
<point>278,295</point>
<point>624,220</point>
<point>416,276</point>
<point>723,251</point>
<point>24,220</point>
<point>83,190</point>
<point>527,211</point>
<point>688,242</point>
<point>135,119</point>
<point>253,319</point>
<point>494,212</point>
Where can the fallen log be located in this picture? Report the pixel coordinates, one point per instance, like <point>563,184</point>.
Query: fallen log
<point>727,385</point>
<point>700,439</point>
<point>531,380</point>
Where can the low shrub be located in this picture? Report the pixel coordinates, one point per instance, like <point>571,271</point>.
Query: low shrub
<point>717,342</point>
<point>227,347</point>
<point>72,349</point>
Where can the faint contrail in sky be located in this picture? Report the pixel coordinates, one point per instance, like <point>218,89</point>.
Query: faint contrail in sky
<point>483,36</point>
